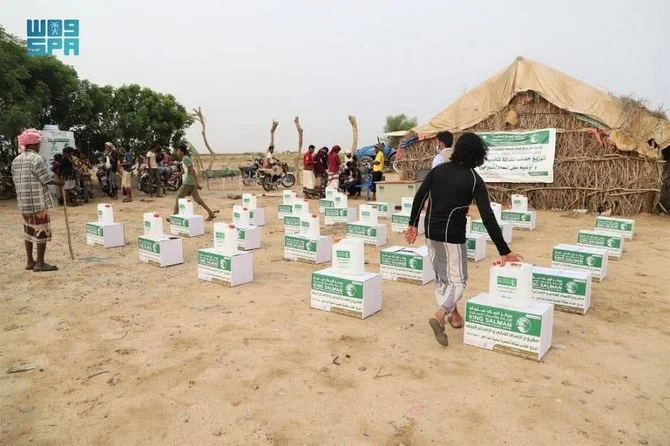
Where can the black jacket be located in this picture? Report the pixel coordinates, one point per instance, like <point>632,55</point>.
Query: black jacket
<point>450,188</point>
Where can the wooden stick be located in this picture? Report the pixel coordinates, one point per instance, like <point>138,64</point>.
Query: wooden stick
<point>298,164</point>
<point>354,130</point>
<point>67,223</point>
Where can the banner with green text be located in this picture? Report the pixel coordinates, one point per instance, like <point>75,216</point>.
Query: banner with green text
<point>519,157</point>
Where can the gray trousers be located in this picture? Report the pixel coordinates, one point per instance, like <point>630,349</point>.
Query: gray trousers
<point>450,262</point>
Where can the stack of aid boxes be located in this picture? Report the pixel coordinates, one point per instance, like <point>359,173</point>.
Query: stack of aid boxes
<point>286,208</point>
<point>224,263</point>
<point>507,319</point>
<point>250,201</point>
<point>400,220</point>
<point>345,288</point>
<point>368,228</point>
<point>308,245</point>
<point>477,226</point>
<point>248,235</point>
<point>340,212</point>
<point>329,201</point>
<point>406,264</point>
<point>104,231</point>
<point>185,222</point>
<point>157,248</point>
<point>299,210</point>
<point>519,216</point>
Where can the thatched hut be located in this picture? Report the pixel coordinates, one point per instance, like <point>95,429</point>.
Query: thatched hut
<point>608,149</point>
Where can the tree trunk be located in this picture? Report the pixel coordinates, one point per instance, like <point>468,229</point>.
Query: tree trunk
<point>354,129</point>
<point>197,115</point>
<point>272,132</point>
<point>298,169</point>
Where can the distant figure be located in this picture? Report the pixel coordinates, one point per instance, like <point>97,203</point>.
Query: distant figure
<point>444,150</point>
<point>334,166</point>
<point>190,186</point>
<point>452,187</point>
<point>31,178</point>
<point>271,164</point>
<point>126,169</point>
<point>307,162</point>
<point>112,167</point>
<point>154,173</point>
<point>321,169</point>
<point>377,170</point>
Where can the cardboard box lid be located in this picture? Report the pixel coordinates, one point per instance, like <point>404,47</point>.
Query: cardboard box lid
<point>537,308</point>
<point>420,251</point>
<point>573,274</point>
<point>355,277</point>
<point>221,253</point>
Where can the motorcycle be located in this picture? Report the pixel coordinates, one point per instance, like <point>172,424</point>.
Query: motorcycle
<point>286,179</point>
<point>6,183</point>
<point>104,181</point>
<point>251,174</point>
<point>171,181</point>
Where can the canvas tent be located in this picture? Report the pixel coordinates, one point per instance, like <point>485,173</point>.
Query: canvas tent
<point>608,149</point>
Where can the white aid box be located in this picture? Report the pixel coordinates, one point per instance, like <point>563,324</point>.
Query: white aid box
<point>371,235</point>
<point>524,332</point>
<point>229,269</point>
<point>358,295</point>
<point>623,226</point>
<point>161,251</point>
<point>105,234</point>
<point>609,241</point>
<point>521,220</point>
<point>580,258</point>
<point>569,291</point>
<point>479,228</point>
<point>476,246</point>
<point>192,226</point>
<point>400,222</point>
<point>406,264</point>
<point>335,216</point>
<point>309,250</point>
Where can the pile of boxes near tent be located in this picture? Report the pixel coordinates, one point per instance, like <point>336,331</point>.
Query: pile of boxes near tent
<point>515,316</point>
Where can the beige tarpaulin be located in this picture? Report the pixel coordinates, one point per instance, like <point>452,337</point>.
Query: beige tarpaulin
<point>561,90</point>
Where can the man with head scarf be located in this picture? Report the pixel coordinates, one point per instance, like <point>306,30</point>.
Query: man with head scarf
<point>31,178</point>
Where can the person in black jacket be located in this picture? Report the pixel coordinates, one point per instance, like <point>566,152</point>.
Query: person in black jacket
<point>449,189</point>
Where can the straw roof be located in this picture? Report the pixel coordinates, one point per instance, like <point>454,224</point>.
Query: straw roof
<point>629,128</point>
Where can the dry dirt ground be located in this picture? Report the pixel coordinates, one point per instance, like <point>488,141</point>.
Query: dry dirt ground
<point>128,353</point>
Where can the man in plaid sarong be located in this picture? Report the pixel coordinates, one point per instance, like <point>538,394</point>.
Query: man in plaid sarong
<point>31,178</point>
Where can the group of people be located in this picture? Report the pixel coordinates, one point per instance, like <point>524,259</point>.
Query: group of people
<point>328,170</point>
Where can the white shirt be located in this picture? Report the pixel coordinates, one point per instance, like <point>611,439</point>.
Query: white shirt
<point>151,160</point>
<point>442,157</point>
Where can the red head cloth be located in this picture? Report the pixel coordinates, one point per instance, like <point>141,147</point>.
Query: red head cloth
<point>29,137</point>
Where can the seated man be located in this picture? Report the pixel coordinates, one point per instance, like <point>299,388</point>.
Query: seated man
<point>271,164</point>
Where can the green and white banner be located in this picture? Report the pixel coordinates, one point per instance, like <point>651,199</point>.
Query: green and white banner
<point>519,157</point>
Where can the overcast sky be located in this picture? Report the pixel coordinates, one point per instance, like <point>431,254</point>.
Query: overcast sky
<point>247,62</point>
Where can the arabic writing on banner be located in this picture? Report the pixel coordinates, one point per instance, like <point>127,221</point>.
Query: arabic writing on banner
<point>519,157</point>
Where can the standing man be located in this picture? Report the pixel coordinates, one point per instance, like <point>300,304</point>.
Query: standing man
<point>451,188</point>
<point>190,186</point>
<point>31,178</point>
<point>112,166</point>
<point>377,170</point>
<point>334,166</point>
<point>307,162</point>
<point>321,170</point>
<point>154,174</point>
<point>126,168</point>
<point>444,150</point>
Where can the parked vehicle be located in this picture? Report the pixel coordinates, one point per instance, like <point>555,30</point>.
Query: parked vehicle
<point>286,179</point>
<point>171,181</point>
<point>251,174</point>
<point>366,156</point>
<point>103,180</point>
<point>6,182</point>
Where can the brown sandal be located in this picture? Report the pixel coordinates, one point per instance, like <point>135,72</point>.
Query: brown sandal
<point>438,330</point>
<point>44,268</point>
<point>452,324</point>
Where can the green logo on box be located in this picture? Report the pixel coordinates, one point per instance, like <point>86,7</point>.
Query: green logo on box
<point>342,254</point>
<point>94,230</point>
<point>217,261</point>
<point>503,319</point>
<point>299,243</point>
<point>337,286</point>
<point>336,212</point>
<point>506,281</point>
<point>559,284</point>
<point>471,244</point>
<point>577,258</point>
<point>149,245</point>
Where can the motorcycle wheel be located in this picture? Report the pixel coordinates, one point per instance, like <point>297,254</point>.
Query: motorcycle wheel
<point>268,185</point>
<point>6,191</point>
<point>173,184</point>
<point>288,180</point>
<point>145,186</point>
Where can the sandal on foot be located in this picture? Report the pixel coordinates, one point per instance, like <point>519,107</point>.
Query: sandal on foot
<point>438,330</point>
<point>44,268</point>
<point>452,324</point>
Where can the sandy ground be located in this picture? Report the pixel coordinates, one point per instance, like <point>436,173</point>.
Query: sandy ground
<point>132,354</point>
